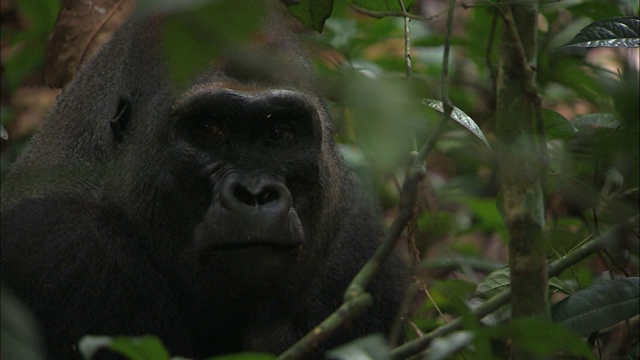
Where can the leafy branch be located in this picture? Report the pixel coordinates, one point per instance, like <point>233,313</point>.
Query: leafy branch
<point>609,239</point>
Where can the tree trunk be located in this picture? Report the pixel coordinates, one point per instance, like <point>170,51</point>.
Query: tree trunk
<point>522,155</point>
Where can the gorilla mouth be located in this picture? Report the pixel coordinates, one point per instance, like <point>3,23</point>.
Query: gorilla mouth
<point>254,244</point>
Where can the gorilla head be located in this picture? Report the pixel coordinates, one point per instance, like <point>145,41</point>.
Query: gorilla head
<point>219,217</point>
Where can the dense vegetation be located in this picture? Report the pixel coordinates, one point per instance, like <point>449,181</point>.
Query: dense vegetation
<point>501,138</point>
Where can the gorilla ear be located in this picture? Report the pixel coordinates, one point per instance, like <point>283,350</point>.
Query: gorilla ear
<point>120,121</point>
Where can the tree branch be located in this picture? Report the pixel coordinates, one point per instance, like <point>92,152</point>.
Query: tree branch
<point>346,312</point>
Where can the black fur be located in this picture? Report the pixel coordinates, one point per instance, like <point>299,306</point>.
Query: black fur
<point>220,218</point>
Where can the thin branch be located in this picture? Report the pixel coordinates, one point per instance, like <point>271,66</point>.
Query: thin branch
<point>383,14</point>
<point>407,49</point>
<point>408,195</point>
<point>346,312</point>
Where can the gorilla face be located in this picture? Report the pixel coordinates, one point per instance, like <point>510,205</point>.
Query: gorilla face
<point>256,155</point>
<point>234,181</point>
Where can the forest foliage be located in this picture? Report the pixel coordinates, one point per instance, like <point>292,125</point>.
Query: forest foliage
<point>413,87</point>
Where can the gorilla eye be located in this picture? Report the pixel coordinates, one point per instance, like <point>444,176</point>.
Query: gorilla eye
<point>280,132</point>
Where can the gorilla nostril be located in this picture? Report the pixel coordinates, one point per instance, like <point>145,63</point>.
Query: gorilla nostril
<point>245,196</point>
<point>239,193</point>
<point>263,197</point>
<point>268,195</point>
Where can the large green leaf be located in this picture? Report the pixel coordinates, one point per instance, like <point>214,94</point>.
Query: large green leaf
<point>614,32</point>
<point>206,30</point>
<point>460,117</point>
<point>311,13</point>
<point>493,283</point>
<point>557,126</point>
<point>385,113</point>
<point>599,306</point>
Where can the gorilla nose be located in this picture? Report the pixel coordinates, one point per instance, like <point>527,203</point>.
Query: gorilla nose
<point>257,197</point>
<point>250,211</point>
<point>261,195</point>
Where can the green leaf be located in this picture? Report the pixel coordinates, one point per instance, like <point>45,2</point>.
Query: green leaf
<point>598,120</point>
<point>500,279</point>
<point>599,306</point>
<point>20,333</point>
<point>443,347</point>
<point>614,32</point>
<point>207,30</point>
<point>555,283</point>
<point>372,347</point>
<point>385,114</point>
<point>541,337</point>
<point>493,283</point>
<point>142,348</point>
<point>460,117</point>
<point>312,13</point>
<point>557,126</point>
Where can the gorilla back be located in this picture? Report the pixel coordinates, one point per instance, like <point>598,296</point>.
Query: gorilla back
<point>219,217</point>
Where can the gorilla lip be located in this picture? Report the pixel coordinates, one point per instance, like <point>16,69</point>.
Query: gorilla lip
<point>252,245</point>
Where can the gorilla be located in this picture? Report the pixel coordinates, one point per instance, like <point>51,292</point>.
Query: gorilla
<point>219,216</point>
